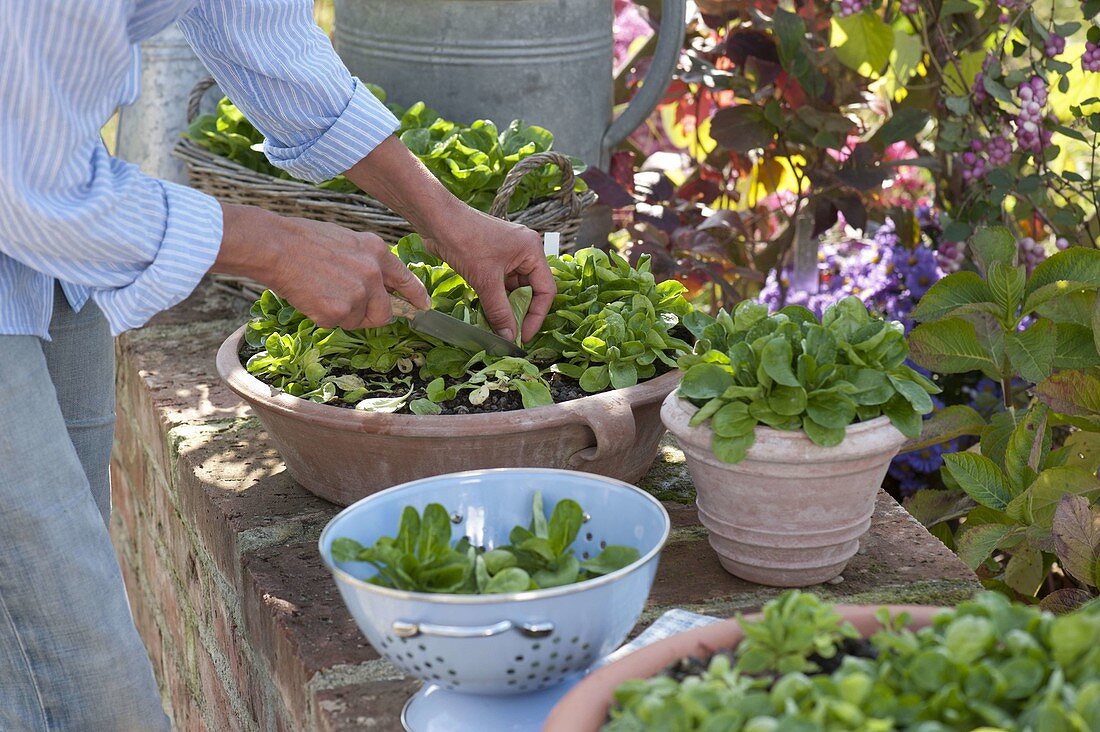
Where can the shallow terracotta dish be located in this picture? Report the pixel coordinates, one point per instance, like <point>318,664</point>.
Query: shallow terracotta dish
<point>343,455</point>
<point>585,707</point>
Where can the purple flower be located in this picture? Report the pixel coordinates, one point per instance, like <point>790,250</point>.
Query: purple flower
<point>919,270</point>
<point>925,461</point>
<point>883,273</point>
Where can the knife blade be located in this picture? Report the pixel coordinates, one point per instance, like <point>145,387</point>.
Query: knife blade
<point>453,331</point>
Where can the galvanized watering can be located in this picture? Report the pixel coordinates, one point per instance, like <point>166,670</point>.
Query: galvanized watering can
<point>547,62</point>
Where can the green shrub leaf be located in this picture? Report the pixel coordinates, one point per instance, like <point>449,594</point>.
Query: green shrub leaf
<point>1032,351</point>
<point>980,478</point>
<point>950,347</point>
<point>952,293</point>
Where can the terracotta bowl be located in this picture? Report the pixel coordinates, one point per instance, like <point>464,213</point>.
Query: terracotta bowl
<point>343,455</point>
<point>585,707</point>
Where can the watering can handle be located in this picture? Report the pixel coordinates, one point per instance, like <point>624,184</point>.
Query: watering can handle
<point>670,38</point>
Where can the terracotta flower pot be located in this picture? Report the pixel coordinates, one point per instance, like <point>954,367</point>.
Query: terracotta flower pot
<point>343,455</point>
<point>585,707</point>
<point>791,513</point>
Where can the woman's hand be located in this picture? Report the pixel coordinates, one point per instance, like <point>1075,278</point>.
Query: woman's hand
<point>336,276</point>
<point>496,256</point>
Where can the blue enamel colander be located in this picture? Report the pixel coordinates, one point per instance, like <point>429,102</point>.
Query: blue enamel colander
<point>511,643</point>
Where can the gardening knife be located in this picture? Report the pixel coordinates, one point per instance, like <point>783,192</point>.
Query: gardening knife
<point>453,331</point>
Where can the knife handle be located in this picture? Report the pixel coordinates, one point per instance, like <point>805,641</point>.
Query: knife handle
<point>402,308</point>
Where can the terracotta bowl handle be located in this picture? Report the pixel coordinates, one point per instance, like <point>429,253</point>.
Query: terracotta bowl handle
<point>612,422</point>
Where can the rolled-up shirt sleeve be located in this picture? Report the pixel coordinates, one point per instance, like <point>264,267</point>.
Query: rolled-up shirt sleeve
<point>280,69</point>
<point>67,208</point>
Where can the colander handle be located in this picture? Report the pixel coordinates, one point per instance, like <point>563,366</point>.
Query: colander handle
<point>408,629</point>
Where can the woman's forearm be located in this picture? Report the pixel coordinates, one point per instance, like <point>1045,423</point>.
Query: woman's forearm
<point>394,176</point>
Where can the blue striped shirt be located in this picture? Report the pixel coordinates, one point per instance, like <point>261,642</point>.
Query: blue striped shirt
<point>71,213</point>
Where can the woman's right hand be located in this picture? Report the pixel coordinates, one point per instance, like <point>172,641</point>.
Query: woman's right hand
<point>335,276</point>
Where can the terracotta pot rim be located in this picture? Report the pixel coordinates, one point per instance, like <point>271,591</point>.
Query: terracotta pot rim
<point>595,692</point>
<point>251,389</point>
<point>443,598</point>
<point>854,429</point>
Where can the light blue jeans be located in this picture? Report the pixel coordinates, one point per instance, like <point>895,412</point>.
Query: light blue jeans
<point>70,656</point>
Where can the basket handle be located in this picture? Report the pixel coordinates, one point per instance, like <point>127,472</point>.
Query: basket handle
<point>194,99</point>
<point>531,163</point>
<point>408,629</point>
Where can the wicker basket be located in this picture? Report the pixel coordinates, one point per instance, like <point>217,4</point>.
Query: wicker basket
<point>233,183</point>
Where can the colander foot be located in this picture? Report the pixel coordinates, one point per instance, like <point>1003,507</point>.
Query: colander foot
<point>435,709</point>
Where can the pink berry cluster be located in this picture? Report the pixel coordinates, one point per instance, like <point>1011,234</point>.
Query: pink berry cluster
<point>851,7</point>
<point>973,164</point>
<point>980,95</point>
<point>1055,45</point>
<point>950,256</point>
<point>909,7</point>
<point>1091,60</point>
<point>999,150</point>
<point>1030,133</point>
<point>1031,252</point>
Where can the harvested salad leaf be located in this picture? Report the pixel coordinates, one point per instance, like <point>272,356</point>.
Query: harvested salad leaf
<point>421,558</point>
<point>610,326</point>
<point>790,371</point>
<point>470,161</point>
<point>988,664</point>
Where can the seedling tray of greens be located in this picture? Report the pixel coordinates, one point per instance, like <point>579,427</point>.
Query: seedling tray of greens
<point>611,326</point>
<point>988,664</point>
<point>422,557</point>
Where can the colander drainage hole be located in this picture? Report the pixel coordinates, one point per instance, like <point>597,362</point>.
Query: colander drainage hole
<point>511,682</point>
<point>532,677</point>
<point>556,640</point>
<point>585,555</point>
<point>551,667</point>
<point>603,544</point>
<point>410,654</point>
<point>569,658</point>
<point>585,646</point>
<point>416,667</point>
<point>452,672</point>
<point>534,664</point>
<point>519,659</point>
<point>428,664</point>
<point>545,679</point>
<point>536,646</point>
<point>554,654</point>
<point>575,640</point>
<point>439,659</point>
<point>422,647</point>
<point>588,536</point>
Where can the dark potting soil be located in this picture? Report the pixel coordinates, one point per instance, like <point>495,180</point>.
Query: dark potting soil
<point>562,389</point>
<point>858,647</point>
